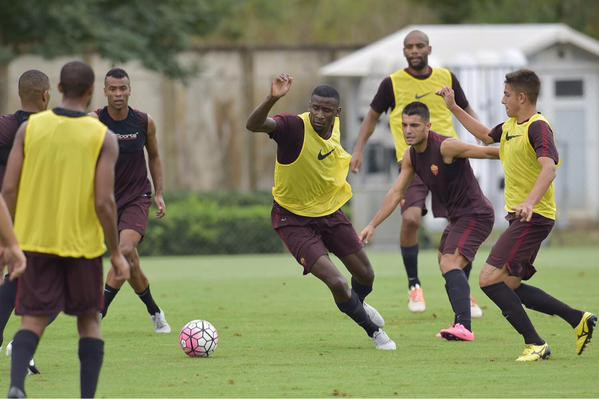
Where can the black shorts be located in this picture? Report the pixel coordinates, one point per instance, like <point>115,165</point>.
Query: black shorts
<point>466,234</point>
<point>134,214</point>
<point>52,284</point>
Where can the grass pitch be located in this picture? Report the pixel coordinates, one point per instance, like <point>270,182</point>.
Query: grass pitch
<point>281,335</point>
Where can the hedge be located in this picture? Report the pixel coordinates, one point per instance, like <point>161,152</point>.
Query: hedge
<point>216,223</point>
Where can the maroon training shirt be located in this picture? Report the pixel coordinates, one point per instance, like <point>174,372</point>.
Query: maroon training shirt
<point>453,185</point>
<point>131,174</point>
<point>9,124</point>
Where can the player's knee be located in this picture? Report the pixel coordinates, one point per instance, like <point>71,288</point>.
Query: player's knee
<point>127,249</point>
<point>338,285</point>
<point>487,277</point>
<point>411,221</point>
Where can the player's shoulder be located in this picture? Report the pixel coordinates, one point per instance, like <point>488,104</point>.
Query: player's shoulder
<point>140,116</point>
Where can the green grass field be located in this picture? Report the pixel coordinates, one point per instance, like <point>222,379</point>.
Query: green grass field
<point>282,336</point>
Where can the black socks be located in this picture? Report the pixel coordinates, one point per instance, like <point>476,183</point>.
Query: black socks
<point>91,355</point>
<point>537,299</point>
<point>512,310</point>
<point>410,261</point>
<point>23,347</point>
<point>146,297</point>
<point>360,289</point>
<point>458,292</point>
<point>354,309</point>
<point>109,294</point>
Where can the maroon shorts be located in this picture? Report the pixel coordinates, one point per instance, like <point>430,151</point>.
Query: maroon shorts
<point>466,234</point>
<point>310,238</point>
<point>519,244</point>
<point>134,214</point>
<point>52,284</point>
<point>415,195</point>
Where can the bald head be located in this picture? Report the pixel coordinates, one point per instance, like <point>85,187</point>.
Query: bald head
<point>416,35</point>
<point>32,86</point>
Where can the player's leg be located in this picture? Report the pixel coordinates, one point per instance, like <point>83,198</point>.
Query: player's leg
<point>83,299</point>
<point>458,292</point>
<point>91,353</point>
<point>8,293</point>
<point>361,281</point>
<point>24,345</point>
<point>348,302</point>
<point>412,210</point>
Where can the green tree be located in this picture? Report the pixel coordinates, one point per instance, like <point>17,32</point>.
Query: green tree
<point>149,31</point>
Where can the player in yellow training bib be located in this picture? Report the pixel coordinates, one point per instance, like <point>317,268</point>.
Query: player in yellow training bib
<point>310,188</point>
<point>418,82</point>
<point>530,160</point>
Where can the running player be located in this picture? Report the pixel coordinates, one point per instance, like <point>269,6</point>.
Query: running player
<point>530,160</point>
<point>34,93</point>
<point>310,188</point>
<point>418,82</point>
<point>442,164</point>
<point>135,131</point>
<point>66,158</point>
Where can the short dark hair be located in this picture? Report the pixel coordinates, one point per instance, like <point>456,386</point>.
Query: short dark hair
<point>118,73</point>
<point>76,77</point>
<point>417,108</point>
<point>326,91</point>
<point>525,81</point>
<point>31,83</point>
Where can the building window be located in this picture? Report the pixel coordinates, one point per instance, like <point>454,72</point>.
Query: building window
<point>569,88</point>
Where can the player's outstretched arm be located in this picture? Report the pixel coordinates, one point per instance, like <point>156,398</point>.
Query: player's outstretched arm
<point>155,165</point>
<point>393,198</point>
<point>12,177</point>
<point>474,126</point>
<point>454,148</point>
<point>544,180</point>
<point>105,204</point>
<point>258,121</point>
<point>12,256</point>
<point>366,130</point>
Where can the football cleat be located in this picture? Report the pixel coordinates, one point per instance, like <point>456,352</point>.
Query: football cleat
<point>416,301</point>
<point>457,332</point>
<point>374,315</point>
<point>382,341</point>
<point>584,331</point>
<point>160,324</point>
<point>475,311</point>
<point>532,353</point>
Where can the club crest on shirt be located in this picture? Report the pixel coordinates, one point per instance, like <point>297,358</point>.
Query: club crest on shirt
<point>435,169</point>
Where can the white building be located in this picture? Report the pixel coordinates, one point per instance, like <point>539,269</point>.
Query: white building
<point>480,56</point>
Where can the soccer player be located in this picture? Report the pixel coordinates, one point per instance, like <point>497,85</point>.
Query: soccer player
<point>133,192</point>
<point>418,82</point>
<point>530,160</point>
<point>59,186</point>
<point>34,93</point>
<point>442,165</point>
<point>310,188</point>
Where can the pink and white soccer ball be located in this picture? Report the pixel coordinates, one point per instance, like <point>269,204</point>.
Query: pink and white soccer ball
<point>198,338</point>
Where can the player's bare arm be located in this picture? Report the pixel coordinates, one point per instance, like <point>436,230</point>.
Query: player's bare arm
<point>105,203</point>
<point>155,165</point>
<point>12,256</point>
<point>546,177</point>
<point>453,148</point>
<point>258,121</point>
<point>10,185</point>
<point>366,130</point>
<point>474,126</point>
<point>393,198</point>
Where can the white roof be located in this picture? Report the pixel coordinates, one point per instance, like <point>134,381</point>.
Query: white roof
<point>454,45</point>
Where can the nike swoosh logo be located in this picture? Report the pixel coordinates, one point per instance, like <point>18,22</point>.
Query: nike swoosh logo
<point>418,97</point>
<point>322,156</point>
<point>508,137</point>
